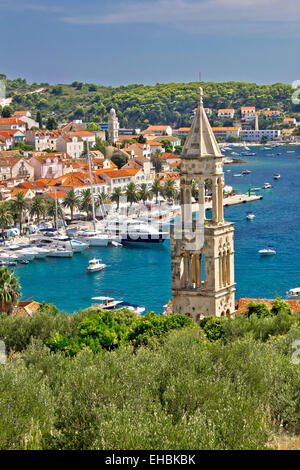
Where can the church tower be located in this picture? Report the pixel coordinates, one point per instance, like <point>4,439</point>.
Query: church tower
<point>113,126</point>
<point>202,250</point>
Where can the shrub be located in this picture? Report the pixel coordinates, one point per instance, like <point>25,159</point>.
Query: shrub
<point>213,327</point>
<point>156,325</point>
<point>259,309</point>
<point>280,305</point>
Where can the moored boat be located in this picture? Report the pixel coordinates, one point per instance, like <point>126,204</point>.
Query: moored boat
<point>293,293</point>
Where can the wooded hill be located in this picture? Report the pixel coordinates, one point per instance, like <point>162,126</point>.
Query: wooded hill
<point>139,105</point>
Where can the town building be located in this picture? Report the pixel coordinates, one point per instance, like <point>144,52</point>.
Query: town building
<point>15,167</point>
<point>158,130</point>
<point>248,113</point>
<point>71,144</point>
<point>42,139</point>
<point>290,121</point>
<point>251,135</point>
<point>13,124</point>
<point>226,113</point>
<point>182,131</point>
<point>226,132</point>
<point>272,114</point>
<point>46,165</point>
<point>202,250</point>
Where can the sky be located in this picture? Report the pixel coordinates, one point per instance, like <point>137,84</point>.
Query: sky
<point>150,41</point>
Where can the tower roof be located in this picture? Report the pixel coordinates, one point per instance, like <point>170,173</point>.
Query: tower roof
<point>201,141</point>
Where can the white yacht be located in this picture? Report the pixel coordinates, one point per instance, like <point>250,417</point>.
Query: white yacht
<point>93,238</point>
<point>78,246</point>
<point>139,232</point>
<point>293,293</point>
<point>106,303</point>
<point>250,216</point>
<point>60,252</point>
<point>267,252</point>
<point>276,176</point>
<point>267,186</point>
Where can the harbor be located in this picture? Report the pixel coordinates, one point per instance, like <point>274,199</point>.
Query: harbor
<point>141,274</point>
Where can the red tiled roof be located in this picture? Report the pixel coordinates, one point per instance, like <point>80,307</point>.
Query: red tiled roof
<point>242,304</point>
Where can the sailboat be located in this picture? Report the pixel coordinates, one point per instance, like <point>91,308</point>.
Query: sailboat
<point>93,237</point>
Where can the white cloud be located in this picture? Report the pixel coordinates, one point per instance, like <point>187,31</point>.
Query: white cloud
<point>183,12</point>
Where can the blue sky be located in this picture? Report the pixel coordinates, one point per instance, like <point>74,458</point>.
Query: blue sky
<point>149,41</point>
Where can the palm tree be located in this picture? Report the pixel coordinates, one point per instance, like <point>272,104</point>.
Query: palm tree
<point>19,205</point>
<point>116,196</point>
<point>6,218</point>
<point>86,202</point>
<point>144,193</point>
<point>169,190</point>
<point>10,289</point>
<point>71,201</point>
<point>156,188</point>
<point>53,208</point>
<point>38,207</point>
<point>131,193</point>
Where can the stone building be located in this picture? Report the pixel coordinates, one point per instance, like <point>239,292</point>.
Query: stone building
<point>113,126</point>
<point>202,250</point>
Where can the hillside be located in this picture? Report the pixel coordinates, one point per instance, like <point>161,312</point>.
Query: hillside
<point>139,105</point>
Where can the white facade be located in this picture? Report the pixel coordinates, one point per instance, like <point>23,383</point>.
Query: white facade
<point>256,136</point>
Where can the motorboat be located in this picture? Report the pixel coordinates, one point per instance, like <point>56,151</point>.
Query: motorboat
<point>26,254</point>
<point>246,172</point>
<point>105,303</point>
<point>116,244</point>
<point>267,252</point>
<point>250,216</point>
<point>93,238</point>
<point>276,176</point>
<point>139,232</point>
<point>8,263</point>
<point>95,265</point>
<point>60,252</point>
<point>293,293</point>
<point>267,186</point>
<point>78,246</point>
<point>238,174</point>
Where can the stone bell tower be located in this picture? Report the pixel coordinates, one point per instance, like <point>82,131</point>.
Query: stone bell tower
<point>113,126</point>
<point>202,250</point>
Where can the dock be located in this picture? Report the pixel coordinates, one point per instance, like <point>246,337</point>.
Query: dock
<point>233,200</point>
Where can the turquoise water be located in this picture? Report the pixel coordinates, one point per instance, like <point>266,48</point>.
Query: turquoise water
<point>142,275</point>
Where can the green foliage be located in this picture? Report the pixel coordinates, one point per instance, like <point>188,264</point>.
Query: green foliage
<point>119,159</point>
<point>155,325</point>
<point>10,289</point>
<point>280,305</point>
<point>96,333</point>
<point>51,124</point>
<point>112,380</point>
<point>138,105</point>
<point>259,309</point>
<point>213,327</point>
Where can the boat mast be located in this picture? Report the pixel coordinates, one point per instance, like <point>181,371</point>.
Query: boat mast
<point>91,184</point>
<point>56,212</point>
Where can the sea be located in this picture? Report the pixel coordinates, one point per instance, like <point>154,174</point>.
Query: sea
<point>142,275</point>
